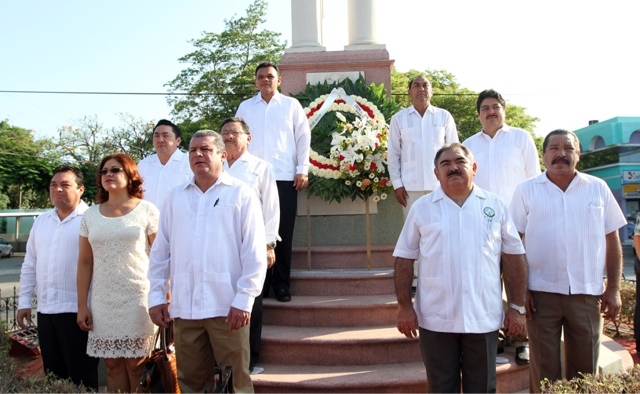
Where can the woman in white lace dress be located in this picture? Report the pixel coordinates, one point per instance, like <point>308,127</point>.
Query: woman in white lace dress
<point>115,238</point>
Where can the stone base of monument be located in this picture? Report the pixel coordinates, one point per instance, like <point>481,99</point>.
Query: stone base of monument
<point>338,333</point>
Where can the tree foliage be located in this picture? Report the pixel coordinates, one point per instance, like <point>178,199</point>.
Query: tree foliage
<point>221,68</point>
<point>87,143</point>
<point>24,172</point>
<point>459,101</point>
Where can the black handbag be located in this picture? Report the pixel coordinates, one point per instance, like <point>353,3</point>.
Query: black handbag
<point>159,372</point>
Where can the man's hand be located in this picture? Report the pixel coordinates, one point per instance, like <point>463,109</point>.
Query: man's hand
<point>610,303</point>
<point>530,306</point>
<point>271,257</point>
<point>159,315</point>
<point>84,319</point>
<point>236,319</point>
<point>514,322</point>
<point>401,196</point>
<point>300,182</point>
<point>407,321</point>
<point>24,315</point>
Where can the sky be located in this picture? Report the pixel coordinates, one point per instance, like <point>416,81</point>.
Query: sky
<point>566,62</point>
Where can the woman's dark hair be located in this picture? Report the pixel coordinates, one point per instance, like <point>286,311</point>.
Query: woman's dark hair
<point>134,187</point>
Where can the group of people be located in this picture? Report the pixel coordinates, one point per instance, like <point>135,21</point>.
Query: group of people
<point>199,238</point>
<point>479,214</point>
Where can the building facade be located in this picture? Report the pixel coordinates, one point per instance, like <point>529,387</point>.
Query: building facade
<point>611,151</point>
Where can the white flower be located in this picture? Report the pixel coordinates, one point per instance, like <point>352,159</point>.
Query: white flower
<point>376,180</point>
<point>372,175</point>
<point>376,198</point>
<point>383,196</point>
<point>347,182</point>
<point>359,183</point>
<point>341,118</point>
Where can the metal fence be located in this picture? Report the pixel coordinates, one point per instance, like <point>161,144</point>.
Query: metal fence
<point>9,310</point>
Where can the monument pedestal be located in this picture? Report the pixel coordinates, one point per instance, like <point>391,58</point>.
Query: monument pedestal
<point>298,68</point>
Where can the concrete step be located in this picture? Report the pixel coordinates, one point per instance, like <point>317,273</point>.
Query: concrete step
<point>331,311</point>
<point>336,346</point>
<point>376,378</point>
<point>342,282</point>
<point>342,257</point>
<point>381,378</point>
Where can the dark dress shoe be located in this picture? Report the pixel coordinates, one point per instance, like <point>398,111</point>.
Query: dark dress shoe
<point>283,295</point>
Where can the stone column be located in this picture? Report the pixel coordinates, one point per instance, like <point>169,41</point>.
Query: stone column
<point>306,32</point>
<point>362,25</point>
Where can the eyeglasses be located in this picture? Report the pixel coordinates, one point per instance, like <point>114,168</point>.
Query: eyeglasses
<point>113,170</point>
<point>233,133</point>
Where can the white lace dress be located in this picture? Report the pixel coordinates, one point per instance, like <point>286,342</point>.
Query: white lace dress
<point>119,286</point>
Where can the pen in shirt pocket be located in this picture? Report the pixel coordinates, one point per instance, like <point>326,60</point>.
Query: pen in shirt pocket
<point>216,203</point>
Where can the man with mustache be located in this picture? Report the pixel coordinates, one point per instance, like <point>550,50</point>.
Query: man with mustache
<point>415,135</point>
<point>459,234</point>
<point>569,222</point>
<point>506,156</point>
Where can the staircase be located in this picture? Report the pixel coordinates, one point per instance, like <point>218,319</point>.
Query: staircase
<point>338,333</point>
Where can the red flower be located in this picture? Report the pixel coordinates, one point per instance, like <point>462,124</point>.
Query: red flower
<point>383,181</point>
<point>373,163</point>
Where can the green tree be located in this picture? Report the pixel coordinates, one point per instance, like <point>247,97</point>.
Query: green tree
<point>24,171</point>
<point>221,68</point>
<point>459,101</point>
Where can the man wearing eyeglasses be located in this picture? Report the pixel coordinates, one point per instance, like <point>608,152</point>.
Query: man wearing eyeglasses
<point>281,137</point>
<point>168,167</point>
<point>50,268</point>
<point>256,173</point>
<point>506,156</point>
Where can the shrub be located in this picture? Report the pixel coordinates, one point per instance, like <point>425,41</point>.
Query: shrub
<point>622,382</point>
<point>628,295</point>
<point>11,382</point>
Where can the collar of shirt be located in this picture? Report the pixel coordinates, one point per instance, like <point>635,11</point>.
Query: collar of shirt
<point>245,157</point>
<point>224,178</point>
<point>430,110</point>
<point>505,129</point>
<point>477,192</point>
<point>579,178</point>
<point>80,209</point>
<point>258,98</point>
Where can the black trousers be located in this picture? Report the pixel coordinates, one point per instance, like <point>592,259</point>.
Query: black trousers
<point>278,275</point>
<point>448,355</point>
<point>64,349</point>
<point>255,332</point>
<point>636,315</point>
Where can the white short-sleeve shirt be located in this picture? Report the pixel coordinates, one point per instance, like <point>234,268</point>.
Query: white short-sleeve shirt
<point>458,251</point>
<point>564,232</point>
<point>413,143</point>
<point>505,160</point>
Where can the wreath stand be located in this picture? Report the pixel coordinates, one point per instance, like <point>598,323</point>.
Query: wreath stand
<point>368,233</point>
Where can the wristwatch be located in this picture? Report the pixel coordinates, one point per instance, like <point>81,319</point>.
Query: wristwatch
<point>521,309</point>
<point>271,245</point>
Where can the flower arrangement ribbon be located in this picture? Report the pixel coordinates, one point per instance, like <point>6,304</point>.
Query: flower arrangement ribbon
<point>331,98</point>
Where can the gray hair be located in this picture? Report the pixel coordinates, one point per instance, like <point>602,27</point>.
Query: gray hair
<point>218,141</point>
<point>453,146</point>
